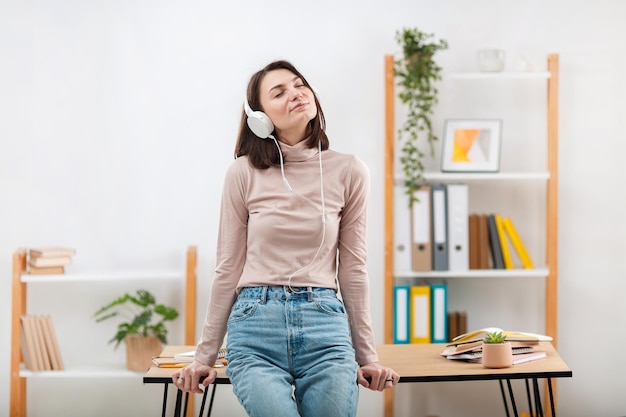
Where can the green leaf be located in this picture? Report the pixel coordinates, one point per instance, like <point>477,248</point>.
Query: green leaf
<point>417,73</point>
<point>146,316</point>
<point>168,313</point>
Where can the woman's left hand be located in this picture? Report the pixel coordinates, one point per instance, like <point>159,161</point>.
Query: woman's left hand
<point>377,377</point>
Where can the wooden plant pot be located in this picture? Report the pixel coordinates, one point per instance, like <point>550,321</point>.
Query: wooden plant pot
<point>497,355</point>
<point>140,350</point>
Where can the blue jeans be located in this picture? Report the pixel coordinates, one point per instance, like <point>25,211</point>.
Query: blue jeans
<point>290,353</point>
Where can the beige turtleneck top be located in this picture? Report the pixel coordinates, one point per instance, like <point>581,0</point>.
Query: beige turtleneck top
<point>269,236</point>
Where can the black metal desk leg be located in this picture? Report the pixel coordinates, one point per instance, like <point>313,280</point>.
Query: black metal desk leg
<point>506,405</point>
<point>186,403</point>
<point>512,396</point>
<point>179,399</point>
<point>551,397</point>
<point>538,405</point>
<point>208,414</point>
<point>210,409</point>
<point>206,391</point>
<point>528,396</point>
<point>164,400</point>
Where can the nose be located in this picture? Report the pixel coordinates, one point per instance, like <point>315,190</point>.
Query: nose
<point>295,93</point>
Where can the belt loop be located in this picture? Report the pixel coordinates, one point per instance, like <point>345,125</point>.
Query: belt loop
<point>310,296</point>
<point>263,299</point>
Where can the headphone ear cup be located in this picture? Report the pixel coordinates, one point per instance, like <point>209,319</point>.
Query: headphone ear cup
<point>260,124</point>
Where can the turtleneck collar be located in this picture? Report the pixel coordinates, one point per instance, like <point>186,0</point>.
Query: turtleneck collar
<point>298,152</point>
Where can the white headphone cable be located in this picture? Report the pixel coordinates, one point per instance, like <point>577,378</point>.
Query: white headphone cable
<point>282,171</point>
<point>282,167</point>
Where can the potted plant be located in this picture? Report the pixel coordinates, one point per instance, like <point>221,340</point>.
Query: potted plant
<point>497,352</point>
<point>417,74</point>
<point>144,330</point>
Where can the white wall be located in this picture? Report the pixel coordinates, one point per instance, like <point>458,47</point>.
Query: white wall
<point>118,119</point>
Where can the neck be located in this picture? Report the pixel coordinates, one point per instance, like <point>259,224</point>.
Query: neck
<point>291,137</point>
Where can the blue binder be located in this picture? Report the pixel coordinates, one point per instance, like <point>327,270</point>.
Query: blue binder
<point>401,310</point>
<point>439,313</point>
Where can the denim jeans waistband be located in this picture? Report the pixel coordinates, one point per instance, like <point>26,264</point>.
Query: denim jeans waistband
<point>266,292</point>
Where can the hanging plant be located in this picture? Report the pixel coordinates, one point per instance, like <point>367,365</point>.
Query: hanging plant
<point>417,74</point>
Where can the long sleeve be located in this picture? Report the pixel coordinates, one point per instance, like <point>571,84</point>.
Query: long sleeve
<point>352,271</point>
<point>231,254</point>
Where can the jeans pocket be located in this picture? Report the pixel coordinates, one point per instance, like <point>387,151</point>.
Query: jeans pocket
<point>331,305</point>
<point>242,309</point>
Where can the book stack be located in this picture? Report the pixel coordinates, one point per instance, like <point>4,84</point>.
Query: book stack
<point>493,240</point>
<point>40,348</point>
<point>438,233</point>
<point>468,346</point>
<point>180,360</point>
<point>51,260</point>
<point>457,324</point>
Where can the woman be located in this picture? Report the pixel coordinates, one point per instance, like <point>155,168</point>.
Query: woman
<point>292,234</point>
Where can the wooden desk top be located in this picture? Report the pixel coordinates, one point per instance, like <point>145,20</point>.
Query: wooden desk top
<point>420,363</point>
<point>162,375</point>
<point>423,363</point>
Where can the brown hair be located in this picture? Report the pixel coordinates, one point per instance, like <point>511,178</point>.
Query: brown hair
<point>262,153</point>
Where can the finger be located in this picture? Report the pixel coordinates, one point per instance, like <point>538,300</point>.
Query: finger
<point>195,388</point>
<point>363,381</point>
<point>180,382</point>
<point>384,382</point>
<point>209,379</point>
<point>175,376</point>
<point>391,380</point>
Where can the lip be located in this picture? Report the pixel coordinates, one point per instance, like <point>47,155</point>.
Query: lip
<point>299,106</point>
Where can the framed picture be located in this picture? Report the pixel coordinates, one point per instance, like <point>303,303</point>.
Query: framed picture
<point>471,145</point>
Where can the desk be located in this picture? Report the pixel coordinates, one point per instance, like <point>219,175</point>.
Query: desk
<point>417,363</point>
<point>423,363</point>
<point>164,376</point>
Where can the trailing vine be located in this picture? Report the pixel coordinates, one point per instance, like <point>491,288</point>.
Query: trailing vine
<point>417,74</point>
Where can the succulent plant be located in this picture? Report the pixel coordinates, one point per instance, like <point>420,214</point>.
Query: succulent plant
<point>494,337</point>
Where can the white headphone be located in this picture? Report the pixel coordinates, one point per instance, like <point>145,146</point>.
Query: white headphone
<point>258,122</point>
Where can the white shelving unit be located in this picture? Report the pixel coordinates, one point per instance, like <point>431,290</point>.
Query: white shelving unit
<point>507,75</point>
<point>547,178</point>
<point>476,273</point>
<point>132,275</point>
<point>114,371</point>
<point>21,282</point>
<point>499,176</point>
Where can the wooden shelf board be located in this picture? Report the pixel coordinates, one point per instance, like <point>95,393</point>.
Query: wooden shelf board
<point>477,273</point>
<point>103,276</point>
<point>480,176</point>
<point>510,75</point>
<point>88,371</point>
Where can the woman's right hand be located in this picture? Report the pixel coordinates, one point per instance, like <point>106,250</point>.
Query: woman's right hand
<point>188,378</point>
